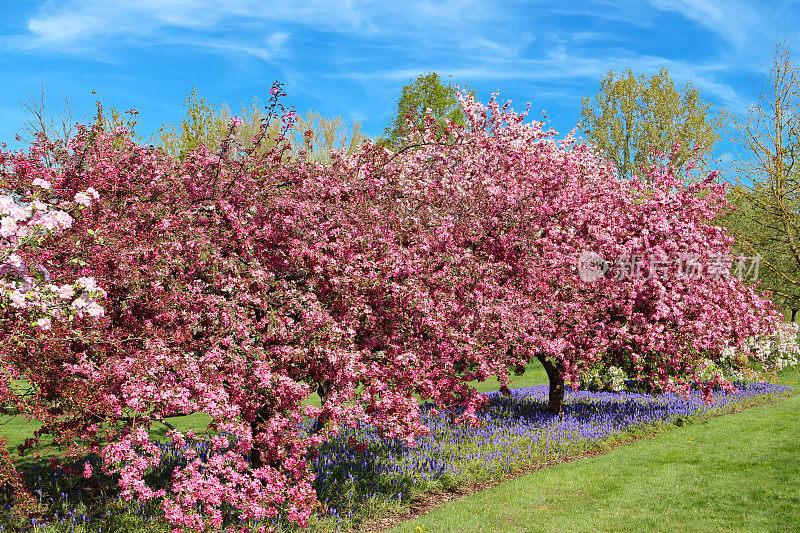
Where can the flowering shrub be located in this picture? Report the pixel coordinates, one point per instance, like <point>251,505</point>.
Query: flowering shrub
<point>776,351</point>
<point>237,283</point>
<point>512,210</point>
<point>28,298</point>
<point>25,227</point>
<point>773,352</point>
<point>610,379</point>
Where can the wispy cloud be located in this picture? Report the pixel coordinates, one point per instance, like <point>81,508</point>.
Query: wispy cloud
<point>273,46</point>
<point>560,66</point>
<point>734,21</point>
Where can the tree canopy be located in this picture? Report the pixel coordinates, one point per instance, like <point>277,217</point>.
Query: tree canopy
<point>631,114</point>
<point>425,92</point>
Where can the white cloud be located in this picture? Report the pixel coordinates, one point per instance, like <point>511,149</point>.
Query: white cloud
<point>65,28</point>
<point>69,22</point>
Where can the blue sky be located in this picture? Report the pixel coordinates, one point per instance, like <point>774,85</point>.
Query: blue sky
<point>351,58</point>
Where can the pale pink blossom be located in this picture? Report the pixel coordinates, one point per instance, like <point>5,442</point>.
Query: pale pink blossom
<point>94,310</point>
<point>17,299</point>
<point>6,203</point>
<point>8,227</point>
<point>83,199</point>
<point>87,283</point>
<point>39,182</point>
<point>66,291</point>
<point>15,260</point>
<point>63,219</point>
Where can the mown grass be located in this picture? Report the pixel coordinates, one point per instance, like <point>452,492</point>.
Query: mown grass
<point>738,472</point>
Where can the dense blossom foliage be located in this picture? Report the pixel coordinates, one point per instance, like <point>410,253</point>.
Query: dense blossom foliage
<point>513,209</point>
<point>26,296</point>
<point>237,283</point>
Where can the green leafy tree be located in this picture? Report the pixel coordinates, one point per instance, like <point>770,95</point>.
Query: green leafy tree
<point>760,233</point>
<point>209,124</point>
<point>766,192</point>
<point>630,114</point>
<point>425,92</point>
<point>313,136</point>
<point>114,120</point>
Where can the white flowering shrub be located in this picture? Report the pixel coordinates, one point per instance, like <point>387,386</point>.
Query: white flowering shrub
<point>774,352</point>
<point>777,351</point>
<point>611,379</point>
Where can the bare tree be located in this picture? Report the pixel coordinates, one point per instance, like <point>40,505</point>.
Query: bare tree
<point>42,122</point>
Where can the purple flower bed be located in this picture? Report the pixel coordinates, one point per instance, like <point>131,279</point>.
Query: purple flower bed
<point>518,430</point>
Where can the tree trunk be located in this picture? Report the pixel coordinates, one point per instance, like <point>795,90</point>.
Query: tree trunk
<point>794,314</point>
<point>324,391</point>
<point>256,460</point>
<point>555,400</point>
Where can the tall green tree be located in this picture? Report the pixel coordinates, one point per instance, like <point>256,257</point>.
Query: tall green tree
<point>630,114</point>
<point>766,192</point>
<point>425,92</point>
<point>759,233</point>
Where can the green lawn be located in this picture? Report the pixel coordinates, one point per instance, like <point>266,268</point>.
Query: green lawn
<point>738,472</point>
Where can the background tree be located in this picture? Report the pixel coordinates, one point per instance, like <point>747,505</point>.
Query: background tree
<point>630,114</point>
<point>41,120</point>
<point>314,137</point>
<point>209,124</point>
<point>767,186</point>
<point>426,91</point>
<point>54,127</point>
